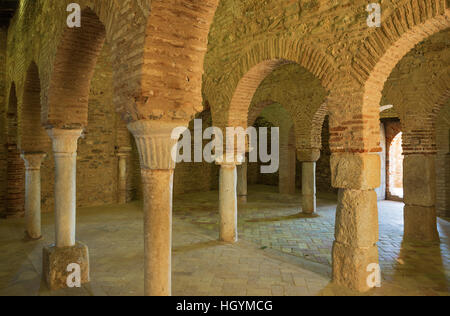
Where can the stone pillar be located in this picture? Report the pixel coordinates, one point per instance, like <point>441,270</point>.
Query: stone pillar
<point>33,163</point>
<point>67,251</point>
<point>228,202</point>
<point>154,143</point>
<point>242,182</point>
<point>308,158</point>
<point>355,253</point>
<point>419,185</point>
<point>122,192</point>
<point>287,169</point>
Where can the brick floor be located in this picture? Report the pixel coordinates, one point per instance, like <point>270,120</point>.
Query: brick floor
<point>278,253</point>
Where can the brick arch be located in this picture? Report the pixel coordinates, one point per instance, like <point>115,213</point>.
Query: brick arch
<point>399,33</point>
<point>175,46</point>
<point>419,122</point>
<point>32,136</point>
<point>256,63</point>
<point>258,107</point>
<point>317,126</point>
<point>15,198</point>
<point>73,69</point>
<point>384,48</point>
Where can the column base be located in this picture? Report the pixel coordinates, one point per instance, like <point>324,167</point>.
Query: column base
<point>242,199</point>
<point>56,261</point>
<point>309,204</point>
<point>28,237</point>
<point>350,266</point>
<point>420,224</point>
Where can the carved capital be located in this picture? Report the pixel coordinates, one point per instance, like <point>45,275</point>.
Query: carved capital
<point>154,143</point>
<point>33,161</point>
<point>64,141</point>
<point>308,155</point>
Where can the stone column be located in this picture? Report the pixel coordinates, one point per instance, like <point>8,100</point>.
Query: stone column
<point>123,154</point>
<point>228,202</point>
<point>33,163</point>
<point>242,182</point>
<point>419,185</point>
<point>355,253</point>
<point>287,169</point>
<point>67,251</point>
<point>154,143</point>
<point>308,158</point>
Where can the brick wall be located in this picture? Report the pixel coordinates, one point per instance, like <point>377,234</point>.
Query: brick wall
<point>443,161</point>
<point>3,91</point>
<point>97,163</point>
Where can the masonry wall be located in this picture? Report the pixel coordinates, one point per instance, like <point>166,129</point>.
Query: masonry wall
<point>97,162</point>
<point>443,161</point>
<point>3,91</point>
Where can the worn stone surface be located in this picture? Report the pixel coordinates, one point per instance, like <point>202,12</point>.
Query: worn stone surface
<point>355,171</point>
<point>357,218</point>
<point>420,224</point>
<point>350,265</point>
<point>56,260</point>
<point>419,180</point>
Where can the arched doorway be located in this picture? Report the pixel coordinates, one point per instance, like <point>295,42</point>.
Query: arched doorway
<point>395,171</point>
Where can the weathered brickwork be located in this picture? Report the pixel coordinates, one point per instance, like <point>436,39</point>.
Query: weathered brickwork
<point>417,88</point>
<point>97,167</point>
<point>358,60</point>
<point>3,129</point>
<point>443,161</point>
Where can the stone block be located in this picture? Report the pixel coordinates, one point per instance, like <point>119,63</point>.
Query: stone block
<point>56,261</point>
<point>350,266</point>
<point>420,224</point>
<point>419,180</point>
<point>308,155</point>
<point>355,171</point>
<point>357,218</point>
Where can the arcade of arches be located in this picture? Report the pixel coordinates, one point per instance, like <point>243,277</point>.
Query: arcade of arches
<point>86,169</point>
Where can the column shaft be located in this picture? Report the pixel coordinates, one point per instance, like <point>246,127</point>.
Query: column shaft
<point>355,253</point>
<point>122,178</point>
<point>158,231</point>
<point>67,251</point>
<point>228,203</point>
<point>65,152</point>
<point>33,194</point>
<point>419,185</point>
<point>242,181</point>
<point>155,144</point>
<point>309,187</point>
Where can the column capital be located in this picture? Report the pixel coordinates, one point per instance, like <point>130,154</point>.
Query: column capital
<point>33,160</point>
<point>64,140</point>
<point>238,159</point>
<point>308,155</point>
<point>123,152</point>
<point>154,142</point>
<point>355,171</point>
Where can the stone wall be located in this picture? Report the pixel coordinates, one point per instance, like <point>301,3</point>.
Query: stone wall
<point>97,163</point>
<point>3,91</point>
<point>443,161</point>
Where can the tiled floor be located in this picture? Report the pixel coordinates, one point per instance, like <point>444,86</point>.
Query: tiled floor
<point>279,253</point>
